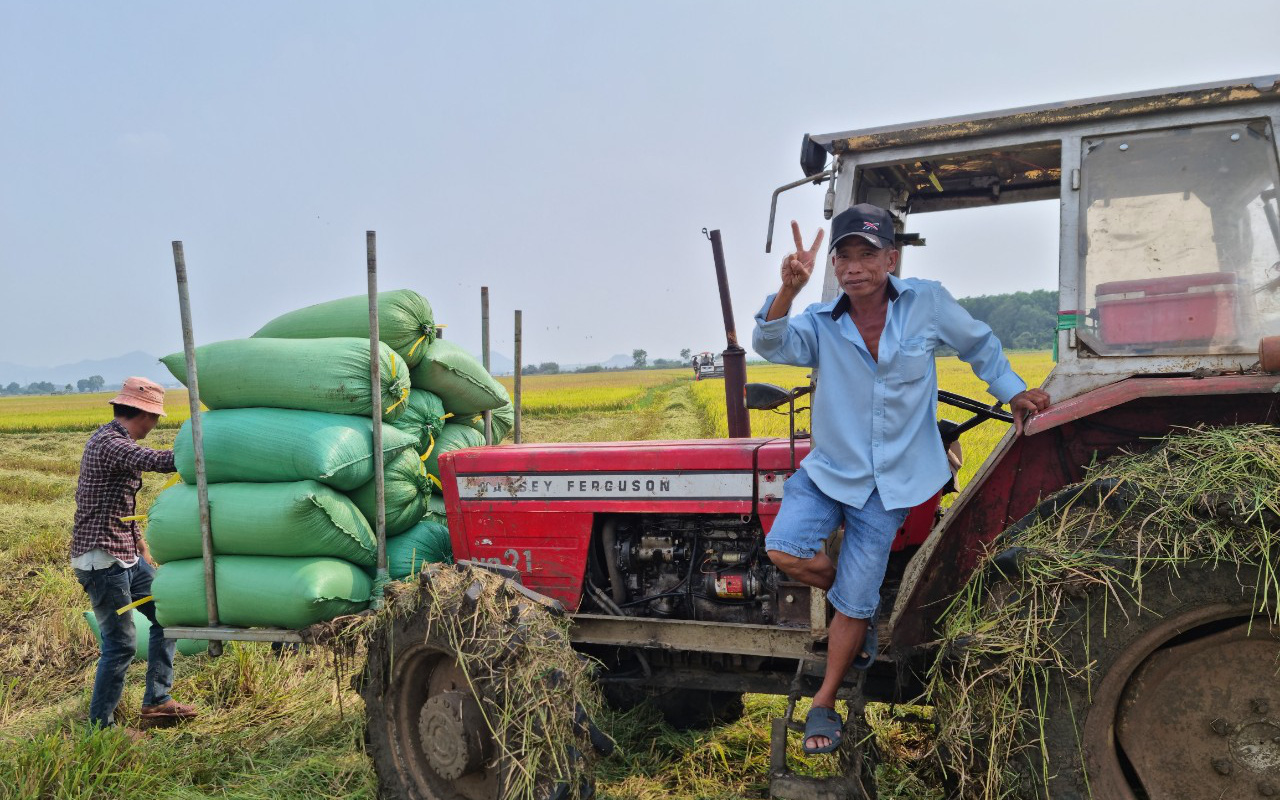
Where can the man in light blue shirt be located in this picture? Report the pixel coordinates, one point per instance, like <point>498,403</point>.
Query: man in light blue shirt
<point>876,448</point>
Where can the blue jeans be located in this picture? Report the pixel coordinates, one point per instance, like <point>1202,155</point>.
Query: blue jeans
<point>109,589</point>
<point>807,517</point>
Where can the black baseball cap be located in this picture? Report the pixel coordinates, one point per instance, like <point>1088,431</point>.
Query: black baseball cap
<point>863,220</point>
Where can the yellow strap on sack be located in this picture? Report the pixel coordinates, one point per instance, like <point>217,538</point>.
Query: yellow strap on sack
<point>134,518</point>
<point>430,447</point>
<point>122,610</point>
<point>175,480</point>
<point>447,416</point>
<point>415,344</point>
<point>436,481</point>
<point>403,396</point>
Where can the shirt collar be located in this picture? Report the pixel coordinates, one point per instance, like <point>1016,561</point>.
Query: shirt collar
<point>896,288</point>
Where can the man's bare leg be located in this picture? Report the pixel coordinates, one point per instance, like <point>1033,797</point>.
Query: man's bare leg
<point>817,571</point>
<point>845,640</point>
<point>845,634</point>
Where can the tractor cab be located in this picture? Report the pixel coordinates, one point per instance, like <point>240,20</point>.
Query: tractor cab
<point>1169,231</point>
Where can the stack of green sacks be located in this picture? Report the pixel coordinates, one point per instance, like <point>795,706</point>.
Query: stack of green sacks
<point>291,547</point>
<point>466,390</point>
<point>289,458</point>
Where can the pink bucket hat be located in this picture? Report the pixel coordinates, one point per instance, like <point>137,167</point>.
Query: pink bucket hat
<point>141,394</point>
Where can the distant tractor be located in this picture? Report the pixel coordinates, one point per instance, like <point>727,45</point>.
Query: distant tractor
<point>1169,263</point>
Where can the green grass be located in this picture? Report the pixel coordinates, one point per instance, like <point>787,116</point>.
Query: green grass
<point>281,729</point>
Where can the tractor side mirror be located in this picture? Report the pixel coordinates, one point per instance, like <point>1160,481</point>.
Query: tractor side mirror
<point>766,396</point>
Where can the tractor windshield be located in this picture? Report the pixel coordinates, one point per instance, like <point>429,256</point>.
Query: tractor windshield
<point>1180,240</point>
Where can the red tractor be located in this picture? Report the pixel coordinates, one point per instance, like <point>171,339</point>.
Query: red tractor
<point>1169,265</point>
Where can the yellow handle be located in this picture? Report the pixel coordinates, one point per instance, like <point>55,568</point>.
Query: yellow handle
<point>403,396</point>
<point>122,610</point>
<point>415,344</point>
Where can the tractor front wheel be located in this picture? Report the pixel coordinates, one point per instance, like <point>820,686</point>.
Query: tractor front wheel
<point>473,691</point>
<point>425,731</point>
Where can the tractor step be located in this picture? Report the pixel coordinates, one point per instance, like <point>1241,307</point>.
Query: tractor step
<point>803,787</point>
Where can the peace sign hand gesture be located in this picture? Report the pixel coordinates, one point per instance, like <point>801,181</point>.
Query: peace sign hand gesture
<point>798,267</point>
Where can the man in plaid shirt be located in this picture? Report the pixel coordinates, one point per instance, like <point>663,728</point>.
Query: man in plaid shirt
<point>110,557</point>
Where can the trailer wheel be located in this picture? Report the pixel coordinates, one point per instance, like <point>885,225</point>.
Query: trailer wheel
<point>1180,699</point>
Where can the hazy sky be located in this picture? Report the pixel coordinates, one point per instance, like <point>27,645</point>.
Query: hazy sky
<point>565,154</point>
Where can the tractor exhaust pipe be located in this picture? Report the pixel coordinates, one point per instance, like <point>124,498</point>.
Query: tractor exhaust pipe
<point>735,358</point>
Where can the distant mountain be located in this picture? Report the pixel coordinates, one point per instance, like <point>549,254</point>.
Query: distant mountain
<point>500,364</point>
<point>618,362</point>
<point>112,370</point>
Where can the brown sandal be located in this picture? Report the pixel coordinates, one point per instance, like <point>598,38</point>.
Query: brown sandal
<point>169,708</point>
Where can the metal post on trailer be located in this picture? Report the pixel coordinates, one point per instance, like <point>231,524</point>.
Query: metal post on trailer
<point>484,355</point>
<point>379,487</point>
<point>197,444</point>
<point>519,369</point>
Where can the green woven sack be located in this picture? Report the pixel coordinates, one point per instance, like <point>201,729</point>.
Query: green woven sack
<point>503,419</point>
<point>309,374</point>
<point>424,543</point>
<point>142,635</point>
<point>460,381</point>
<point>454,437</point>
<point>303,518</point>
<point>405,323</point>
<point>436,511</point>
<point>269,445</point>
<point>261,591</point>
<point>423,418</point>
<point>407,490</point>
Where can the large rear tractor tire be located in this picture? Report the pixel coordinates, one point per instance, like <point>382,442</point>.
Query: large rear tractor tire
<point>439,713</point>
<point>1181,700</point>
<point>1163,687</point>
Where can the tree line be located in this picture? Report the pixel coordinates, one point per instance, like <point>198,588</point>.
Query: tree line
<point>93,383</point>
<point>1021,320</point>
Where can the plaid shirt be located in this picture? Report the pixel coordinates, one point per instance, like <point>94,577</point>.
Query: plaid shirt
<point>110,477</point>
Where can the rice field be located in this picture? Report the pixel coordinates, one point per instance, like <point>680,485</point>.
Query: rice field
<point>77,412</point>
<point>575,393</point>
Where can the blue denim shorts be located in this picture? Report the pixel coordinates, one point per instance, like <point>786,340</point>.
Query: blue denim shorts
<point>805,520</point>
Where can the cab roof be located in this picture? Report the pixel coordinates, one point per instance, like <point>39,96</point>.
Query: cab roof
<point>1244,90</point>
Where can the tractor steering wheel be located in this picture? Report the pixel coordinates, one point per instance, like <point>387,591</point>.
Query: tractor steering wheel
<point>981,413</point>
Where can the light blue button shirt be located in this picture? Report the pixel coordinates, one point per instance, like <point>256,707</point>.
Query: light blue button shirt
<point>874,422</point>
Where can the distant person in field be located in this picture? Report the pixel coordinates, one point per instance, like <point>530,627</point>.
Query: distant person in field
<point>876,448</point>
<point>110,557</point>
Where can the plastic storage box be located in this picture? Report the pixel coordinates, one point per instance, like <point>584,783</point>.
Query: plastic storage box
<point>1179,309</point>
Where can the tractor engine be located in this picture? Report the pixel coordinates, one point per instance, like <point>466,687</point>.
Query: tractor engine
<point>711,568</point>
